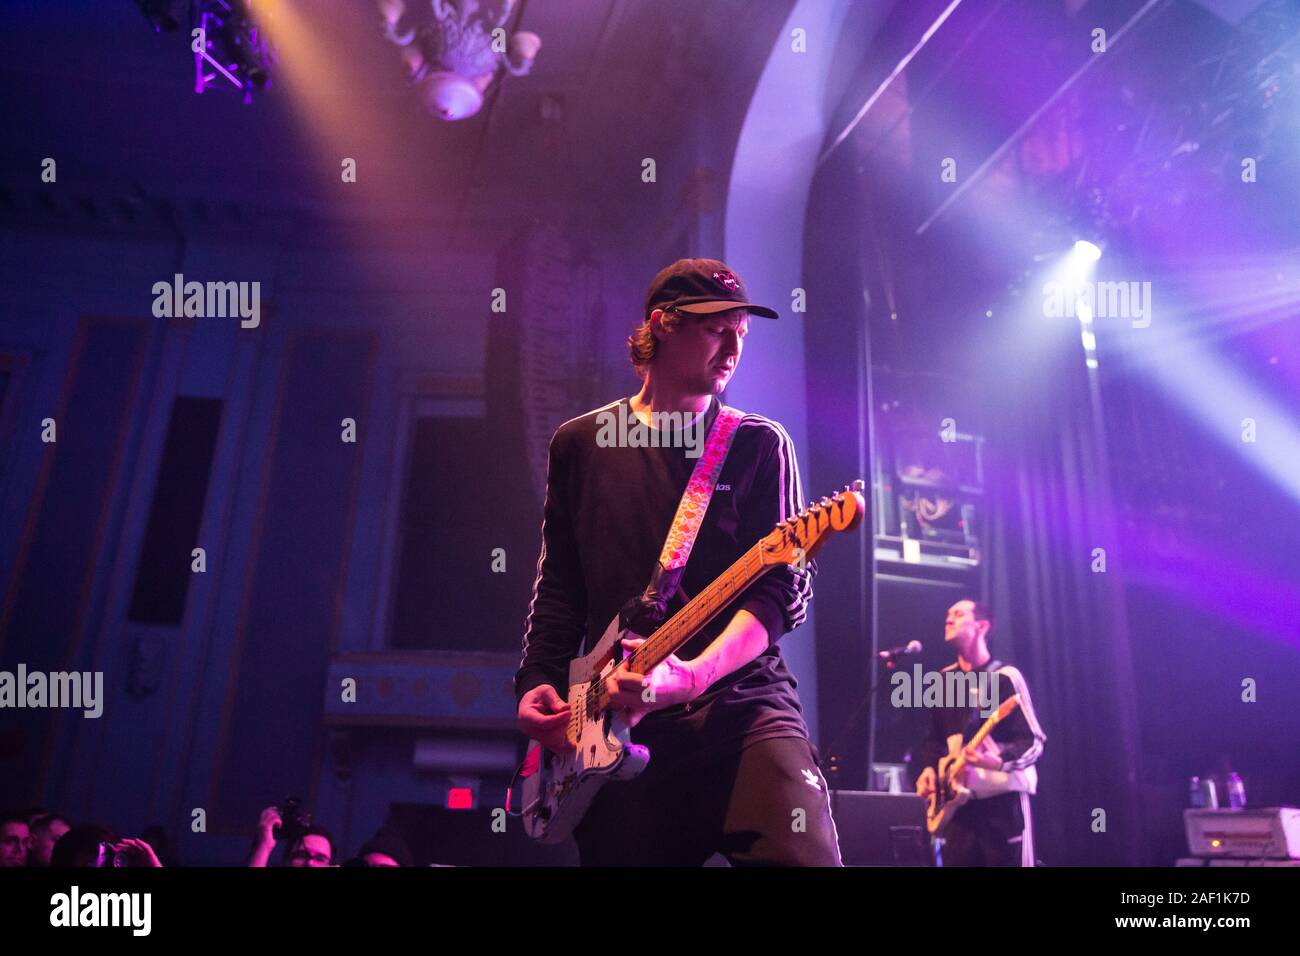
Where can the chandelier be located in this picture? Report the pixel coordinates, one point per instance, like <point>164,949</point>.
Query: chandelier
<point>453,58</point>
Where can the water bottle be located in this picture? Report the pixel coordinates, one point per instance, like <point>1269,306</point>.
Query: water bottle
<point>1236,791</point>
<point>1203,793</point>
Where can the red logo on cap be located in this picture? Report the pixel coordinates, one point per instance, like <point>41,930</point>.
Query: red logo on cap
<point>727,280</point>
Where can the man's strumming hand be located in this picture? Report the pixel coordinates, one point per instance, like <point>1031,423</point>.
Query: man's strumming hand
<point>925,783</point>
<point>544,716</point>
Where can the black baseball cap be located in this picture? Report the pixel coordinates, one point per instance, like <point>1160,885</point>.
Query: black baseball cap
<point>701,287</point>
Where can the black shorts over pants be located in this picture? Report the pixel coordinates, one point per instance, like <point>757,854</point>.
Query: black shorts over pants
<point>763,804</point>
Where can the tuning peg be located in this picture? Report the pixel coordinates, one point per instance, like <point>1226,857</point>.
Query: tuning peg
<point>826,502</point>
<point>859,485</point>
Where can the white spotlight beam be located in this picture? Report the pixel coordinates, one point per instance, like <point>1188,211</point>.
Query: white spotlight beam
<point>1222,400</point>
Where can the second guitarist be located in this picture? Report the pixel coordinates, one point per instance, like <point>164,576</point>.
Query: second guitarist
<point>731,769</point>
<point>994,827</point>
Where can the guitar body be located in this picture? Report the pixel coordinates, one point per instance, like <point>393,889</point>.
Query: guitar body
<point>560,787</point>
<point>948,795</point>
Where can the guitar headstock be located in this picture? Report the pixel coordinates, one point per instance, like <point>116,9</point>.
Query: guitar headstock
<point>801,536</point>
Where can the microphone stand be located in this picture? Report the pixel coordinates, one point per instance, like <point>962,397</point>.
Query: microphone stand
<point>830,763</point>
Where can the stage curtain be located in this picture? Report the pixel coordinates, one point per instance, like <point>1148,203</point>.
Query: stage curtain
<point>1061,618</point>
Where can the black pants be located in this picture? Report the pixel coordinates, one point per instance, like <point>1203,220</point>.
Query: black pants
<point>763,805</point>
<point>982,831</point>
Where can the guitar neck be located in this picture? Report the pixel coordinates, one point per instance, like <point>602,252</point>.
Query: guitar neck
<point>793,540</point>
<point>983,732</point>
<point>1010,704</point>
<point>692,618</point>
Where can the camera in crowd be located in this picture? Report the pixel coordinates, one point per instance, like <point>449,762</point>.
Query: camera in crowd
<point>294,820</point>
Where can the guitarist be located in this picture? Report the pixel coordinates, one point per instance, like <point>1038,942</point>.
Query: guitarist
<point>731,767</point>
<point>994,828</point>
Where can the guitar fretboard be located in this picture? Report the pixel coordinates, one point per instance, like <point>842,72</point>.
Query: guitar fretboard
<point>697,613</point>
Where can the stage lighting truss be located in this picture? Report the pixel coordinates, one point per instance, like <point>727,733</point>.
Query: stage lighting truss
<point>231,50</point>
<point>1238,102</point>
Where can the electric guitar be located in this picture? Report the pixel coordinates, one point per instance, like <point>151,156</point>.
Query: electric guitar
<point>558,788</point>
<point>948,796</point>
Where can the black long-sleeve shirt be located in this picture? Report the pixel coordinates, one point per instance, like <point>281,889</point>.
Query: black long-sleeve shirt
<point>607,512</point>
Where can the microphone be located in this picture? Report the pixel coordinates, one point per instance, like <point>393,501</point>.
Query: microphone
<point>911,647</point>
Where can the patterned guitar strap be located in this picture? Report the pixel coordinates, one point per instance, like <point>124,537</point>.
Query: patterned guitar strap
<point>644,613</point>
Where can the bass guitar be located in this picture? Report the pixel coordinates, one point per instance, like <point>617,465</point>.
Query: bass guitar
<point>948,794</point>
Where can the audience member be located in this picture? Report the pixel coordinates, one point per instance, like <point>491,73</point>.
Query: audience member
<point>46,831</point>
